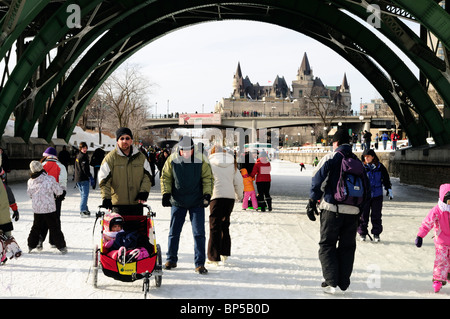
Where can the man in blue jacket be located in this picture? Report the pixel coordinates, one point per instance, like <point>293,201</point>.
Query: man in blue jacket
<point>338,222</point>
<point>187,183</point>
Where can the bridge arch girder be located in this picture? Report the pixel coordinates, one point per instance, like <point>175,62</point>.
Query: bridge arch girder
<point>399,111</point>
<point>281,5</point>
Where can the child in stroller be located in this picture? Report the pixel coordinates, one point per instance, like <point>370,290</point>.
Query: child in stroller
<point>123,246</point>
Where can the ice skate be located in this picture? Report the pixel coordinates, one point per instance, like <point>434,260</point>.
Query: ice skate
<point>328,289</point>
<point>121,254</point>
<point>437,285</point>
<point>2,253</point>
<point>223,259</point>
<point>133,255</point>
<point>212,262</point>
<point>10,248</point>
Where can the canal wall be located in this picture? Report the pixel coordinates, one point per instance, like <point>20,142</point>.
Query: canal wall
<point>20,154</point>
<point>427,166</point>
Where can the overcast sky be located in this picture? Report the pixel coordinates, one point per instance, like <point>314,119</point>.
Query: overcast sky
<point>192,68</point>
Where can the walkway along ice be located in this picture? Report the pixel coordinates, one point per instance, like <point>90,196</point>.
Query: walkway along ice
<point>274,255</point>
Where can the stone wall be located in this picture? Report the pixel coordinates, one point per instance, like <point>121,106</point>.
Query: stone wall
<point>428,166</point>
<point>20,154</point>
<point>308,158</point>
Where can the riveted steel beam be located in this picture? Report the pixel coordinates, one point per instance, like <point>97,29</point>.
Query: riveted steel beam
<point>99,21</point>
<point>343,32</point>
<point>431,15</point>
<point>389,97</point>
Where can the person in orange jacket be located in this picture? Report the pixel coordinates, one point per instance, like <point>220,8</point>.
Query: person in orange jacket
<point>249,190</point>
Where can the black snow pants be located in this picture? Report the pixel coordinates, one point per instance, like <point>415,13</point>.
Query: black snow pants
<point>337,247</point>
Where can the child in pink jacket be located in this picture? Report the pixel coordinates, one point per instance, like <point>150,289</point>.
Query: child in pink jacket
<point>439,218</point>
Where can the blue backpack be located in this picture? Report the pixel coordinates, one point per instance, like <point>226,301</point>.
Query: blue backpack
<point>351,188</point>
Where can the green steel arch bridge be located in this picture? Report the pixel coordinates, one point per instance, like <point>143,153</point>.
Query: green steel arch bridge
<point>55,54</point>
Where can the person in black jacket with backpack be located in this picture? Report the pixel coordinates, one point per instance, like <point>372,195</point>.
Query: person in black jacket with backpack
<point>338,221</point>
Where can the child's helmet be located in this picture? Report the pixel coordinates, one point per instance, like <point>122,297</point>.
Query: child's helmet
<point>111,220</point>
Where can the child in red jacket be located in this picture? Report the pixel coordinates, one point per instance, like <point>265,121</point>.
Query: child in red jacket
<point>261,173</point>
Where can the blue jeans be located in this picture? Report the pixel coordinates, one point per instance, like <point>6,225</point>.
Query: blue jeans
<point>84,192</point>
<point>197,217</point>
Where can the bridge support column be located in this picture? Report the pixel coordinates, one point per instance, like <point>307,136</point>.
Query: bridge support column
<point>254,131</point>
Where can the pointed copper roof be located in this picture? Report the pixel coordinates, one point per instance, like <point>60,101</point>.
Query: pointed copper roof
<point>344,84</point>
<point>304,67</point>
<point>238,71</point>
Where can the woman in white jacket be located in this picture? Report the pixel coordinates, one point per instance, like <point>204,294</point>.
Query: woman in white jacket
<point>228,185</point>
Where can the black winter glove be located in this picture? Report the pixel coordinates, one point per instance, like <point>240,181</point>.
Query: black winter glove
<point>142,196</point>
<point>206,200</point>
<point>311,209</point>
<point>15,215</point>
<point>107,203</point>
<point>166,200</point>
<point>62,196</point>
<point>419,241</point>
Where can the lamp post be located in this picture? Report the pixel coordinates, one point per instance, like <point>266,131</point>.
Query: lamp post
<point>232,112</point>
<point>361,118</point>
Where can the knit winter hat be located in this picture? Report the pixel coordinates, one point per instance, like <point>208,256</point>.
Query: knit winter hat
<point>123,131</point>
<point>370,152</point>
<point>186,143</point>
<point>49,152</point>
<point>341,136</point>
<point>36,166</point>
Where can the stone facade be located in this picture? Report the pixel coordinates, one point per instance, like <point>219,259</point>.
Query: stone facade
<point>307,96</point>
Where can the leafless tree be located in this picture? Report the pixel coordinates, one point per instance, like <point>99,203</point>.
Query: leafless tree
<point>327,107</point>
<point>125,94</point>
<point>96,112</point>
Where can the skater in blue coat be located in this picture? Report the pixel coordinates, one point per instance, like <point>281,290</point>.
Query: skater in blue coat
<point>378,177</point>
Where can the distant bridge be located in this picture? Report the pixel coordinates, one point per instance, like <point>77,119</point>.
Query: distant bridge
<point>266,122</point>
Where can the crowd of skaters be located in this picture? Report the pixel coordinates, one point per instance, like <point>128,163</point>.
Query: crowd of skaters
<point>365,138</point>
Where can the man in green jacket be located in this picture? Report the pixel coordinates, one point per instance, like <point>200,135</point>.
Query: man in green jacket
<point>186,185</point>
<point>124,176</point>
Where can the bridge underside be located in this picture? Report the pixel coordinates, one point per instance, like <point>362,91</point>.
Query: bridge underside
<point>59,67</point>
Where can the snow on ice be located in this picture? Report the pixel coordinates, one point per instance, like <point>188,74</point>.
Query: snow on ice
<point>274,255</point>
